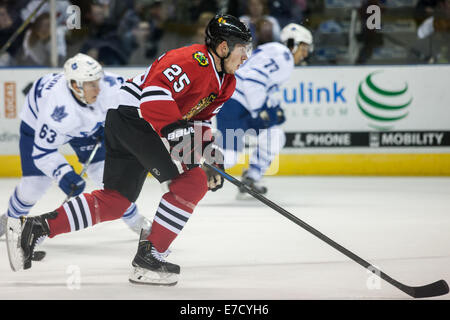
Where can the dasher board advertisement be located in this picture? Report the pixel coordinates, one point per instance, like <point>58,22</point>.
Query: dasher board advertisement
<point>368,107</point>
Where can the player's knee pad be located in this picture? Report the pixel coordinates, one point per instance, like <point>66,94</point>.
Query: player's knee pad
<point>95,173</point>
<point>191,186</point>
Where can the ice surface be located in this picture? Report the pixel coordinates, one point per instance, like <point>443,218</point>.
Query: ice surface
<point>234,249</point>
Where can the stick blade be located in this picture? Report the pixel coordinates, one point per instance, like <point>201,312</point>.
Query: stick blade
<point>434,289</point>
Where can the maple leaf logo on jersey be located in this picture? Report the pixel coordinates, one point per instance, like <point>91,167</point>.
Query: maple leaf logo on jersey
<point>59,113</point>
<point>201,58</point>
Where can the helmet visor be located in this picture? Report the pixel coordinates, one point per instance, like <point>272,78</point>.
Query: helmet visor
<point>245,46</point>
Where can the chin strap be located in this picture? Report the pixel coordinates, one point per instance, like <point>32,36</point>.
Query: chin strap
<point>222,60</point>
<point>78,95</point>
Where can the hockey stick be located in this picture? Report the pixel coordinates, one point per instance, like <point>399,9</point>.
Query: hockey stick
<point>430,290</point>
<point>21,28</point>
<point>86,165</point>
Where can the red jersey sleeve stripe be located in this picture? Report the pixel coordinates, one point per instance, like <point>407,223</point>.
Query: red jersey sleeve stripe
<point>154,93</point>
<point>158,107</point>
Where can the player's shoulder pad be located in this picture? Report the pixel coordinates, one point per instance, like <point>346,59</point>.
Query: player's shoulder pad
<point>279,52</point>
<point>50,88</point>
<point>111,79</point>
<point>50,85</point>
<point>201,58</point>
<point>193,55</point>
<point>48,77</point>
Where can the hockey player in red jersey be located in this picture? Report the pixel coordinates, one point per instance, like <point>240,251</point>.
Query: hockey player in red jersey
<point>170,102</point>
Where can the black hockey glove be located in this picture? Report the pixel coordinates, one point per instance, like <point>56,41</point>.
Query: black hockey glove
<point>176,131</point>
<point>184,146</point>
<point>214,156</point>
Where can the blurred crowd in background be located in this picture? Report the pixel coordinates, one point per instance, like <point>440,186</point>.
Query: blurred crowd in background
<point>135,32</point>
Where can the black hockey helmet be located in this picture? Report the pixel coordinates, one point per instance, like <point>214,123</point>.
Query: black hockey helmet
<point>225,27</point>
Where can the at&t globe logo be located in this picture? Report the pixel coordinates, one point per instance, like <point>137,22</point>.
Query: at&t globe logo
<point>383,99</point>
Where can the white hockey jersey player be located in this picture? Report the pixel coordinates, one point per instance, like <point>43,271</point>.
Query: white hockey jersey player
<point>255,108</point>
<point>259,79</point>
<point>57,117</point>
<point>54,115</point>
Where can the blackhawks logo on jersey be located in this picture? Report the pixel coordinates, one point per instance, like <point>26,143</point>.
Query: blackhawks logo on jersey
<point>201,58</point>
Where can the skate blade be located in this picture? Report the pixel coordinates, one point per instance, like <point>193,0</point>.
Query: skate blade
<point>143,276</point>
<point>13,244</point>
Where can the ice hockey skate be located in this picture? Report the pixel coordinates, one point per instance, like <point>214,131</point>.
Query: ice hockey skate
<point>149,266</point>
<point>136,225</point>
<point>22,235</point>
<point>252,184</point>
<point>37,255</point>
